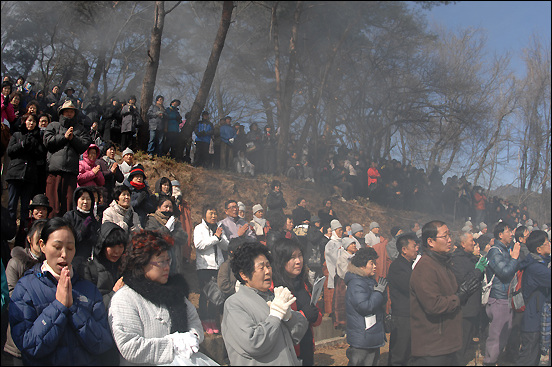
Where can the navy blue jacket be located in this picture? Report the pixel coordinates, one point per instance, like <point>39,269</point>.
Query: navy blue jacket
<point>360,301</point>
<point>47,332</point>
<point>504,266</point>
<point>535,287</point>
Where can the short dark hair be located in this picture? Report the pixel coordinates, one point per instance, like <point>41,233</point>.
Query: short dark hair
<point>37,227</point>
<point>299,199</point>
<point>47,115</point>
<point>519,232</point>
<point>206,207</point>
<point>119,190</point>
<point>244,259</point>
<point>159,97</point>
<point>536,239</point>
<point>430,229</point>
<point>402,240</point>
<point>228,202</point>
<point>499,228</point>
<point>117,236</point>
<point>362,256</point>
<point>140,249</point>
<point>163,198</point>
<point>275,183</point>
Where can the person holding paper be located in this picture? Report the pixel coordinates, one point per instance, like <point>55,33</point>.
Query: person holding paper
<point>365,307</point>
<point>290,271</point>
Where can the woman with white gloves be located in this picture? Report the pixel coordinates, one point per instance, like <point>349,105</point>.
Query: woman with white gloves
<point>151,318</point>
<point>258,326</point>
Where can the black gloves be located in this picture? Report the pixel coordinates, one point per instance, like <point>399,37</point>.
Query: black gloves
<point>466,289</point>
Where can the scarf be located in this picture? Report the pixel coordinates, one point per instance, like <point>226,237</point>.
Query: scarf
<point>260,221</point>
<point>138,185</point>
<point>83,211</point>
<point>161,217</point>
<point>170,295</point>
<point>444,259</point>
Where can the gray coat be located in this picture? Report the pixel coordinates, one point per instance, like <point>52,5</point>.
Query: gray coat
<point>131,118</point>
<point>63,155</point>
<point>253,338</point>
<point>156,122</point>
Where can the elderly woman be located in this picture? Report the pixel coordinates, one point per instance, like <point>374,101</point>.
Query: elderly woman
<point>121,212</point>
<point>58,318</point>
<point>151,318</point>
<point>164,221</point>
<point>258,326</point>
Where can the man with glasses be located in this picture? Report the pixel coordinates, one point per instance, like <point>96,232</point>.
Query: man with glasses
<point>436,299</point>
<point>503,263</point>
<point>234,226</point>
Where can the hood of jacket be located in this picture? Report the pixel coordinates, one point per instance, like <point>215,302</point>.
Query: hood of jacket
<point>531,259</point>
<point>105,231</point>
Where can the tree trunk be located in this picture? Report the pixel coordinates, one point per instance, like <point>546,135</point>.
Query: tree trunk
<point>152,64</point>
<point>284,119</point>
<point>210,70</point>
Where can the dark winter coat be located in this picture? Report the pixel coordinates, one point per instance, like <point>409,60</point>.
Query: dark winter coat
<point>25,150</point>
<point>316,245</point>
<point>504,266</point>
<point>535,287</point>
<point>47,332</point>
<point>398,277</point>
<point>275,202</point>
<point>156,122</point>
<point>300,214</point>
<point>435,312</point>
<point>98,269</point>
<point>63,155</point>
<point>86,226</point>
<point>463,267</point>
<point>141,201</point>
<point>360,301</point>
<point>130,118</point>
<point>110,178</point>
<point>111,118</point>
<point>174,119</point>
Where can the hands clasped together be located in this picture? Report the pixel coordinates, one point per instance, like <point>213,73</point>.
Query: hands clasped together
<point>185,344</point>
<point>281,305</point>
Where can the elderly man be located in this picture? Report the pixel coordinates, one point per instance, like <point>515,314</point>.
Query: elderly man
<point>373,237</point>
<point>465,263</point>
<point>234,226</point>
<point>435,301</point>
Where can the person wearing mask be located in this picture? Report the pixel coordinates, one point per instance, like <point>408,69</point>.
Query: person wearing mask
<point>258,326</point>
<point>465,265</point>
<point>365,306</point>
<point>166,222</point>
<point>436,300</point>
<point>503,264</point>
<point>58,318</point>
<point>289,271</point>
<point>400,272</point>
<point>65,141</point>
<point>151,318</point>
<point>536,294</point>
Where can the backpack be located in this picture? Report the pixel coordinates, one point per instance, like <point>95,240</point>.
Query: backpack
<point>514,292</point>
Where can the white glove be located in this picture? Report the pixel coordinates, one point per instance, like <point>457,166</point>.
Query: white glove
<point>231,140</point>
<point>170,223</point>
<point>281,305</point>
<point>185,344</point>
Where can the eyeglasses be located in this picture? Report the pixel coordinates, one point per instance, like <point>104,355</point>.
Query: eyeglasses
<point>162,264</point>
<point>446,235</point>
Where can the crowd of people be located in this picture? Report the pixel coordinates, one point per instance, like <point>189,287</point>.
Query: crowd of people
<point>96,272</point>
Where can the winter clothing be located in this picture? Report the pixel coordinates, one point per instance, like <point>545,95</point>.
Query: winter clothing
<point>65,336</point>
<point>331,253</point>
<point>86,176</point>
<point>206,243</point>
<point>463,267</point>
<point>435,313</point>
<point>253,337</point>
<point>142,318</point>
<point>504,266</point>
<point>536,290</point>
<point>361,301</point>
<point>275,202</point>
<point>131,118</point>
<point>25,149</point>
<point>130,222</point>
<point>141,200</point>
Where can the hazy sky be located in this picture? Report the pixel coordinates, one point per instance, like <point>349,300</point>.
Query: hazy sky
<point>509,25</point>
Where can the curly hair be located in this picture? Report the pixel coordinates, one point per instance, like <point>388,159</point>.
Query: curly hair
<point>141,248</point>
<point>364,255</point>
<point>244,257</point>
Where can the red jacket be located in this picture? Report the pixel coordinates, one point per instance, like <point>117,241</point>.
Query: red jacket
<point>373,175</point>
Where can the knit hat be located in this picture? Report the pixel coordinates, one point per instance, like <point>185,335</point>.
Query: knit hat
<point>347,241</point>
<point>127,151</point>
<point>466,229</point>
<point>468,223</point>
<point>241,206</point>
<point>395,230</point>
<point>314,219</point>
<point>40,200</point>
<point>529,222</point>
<point>544,227</point>
<point>257,207</point>
<point>136,170</point>
<point>335,224</point>
<point>482,226</point>
<point>355,228</point>
<point>374,225</point>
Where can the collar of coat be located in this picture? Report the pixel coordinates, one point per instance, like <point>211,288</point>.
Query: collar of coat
<point>355,270</point>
